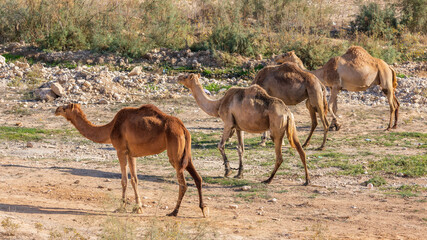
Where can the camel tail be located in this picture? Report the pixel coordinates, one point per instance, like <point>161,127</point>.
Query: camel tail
<point>394,78</point>
<point>186,156</point>
<point>291,130</point>
<point>325,102</point>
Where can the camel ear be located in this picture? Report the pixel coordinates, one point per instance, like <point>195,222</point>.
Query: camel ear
<point>198,75</point>
<point>72,106</point>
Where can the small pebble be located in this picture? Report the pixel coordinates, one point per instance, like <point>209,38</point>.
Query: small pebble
<point>233,206</point>
<point>246,188</point>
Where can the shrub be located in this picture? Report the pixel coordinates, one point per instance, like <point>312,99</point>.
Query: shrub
<point>414,15</point>
<point>375,21</point>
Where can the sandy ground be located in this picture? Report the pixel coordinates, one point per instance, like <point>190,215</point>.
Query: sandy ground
<point>67,187</point>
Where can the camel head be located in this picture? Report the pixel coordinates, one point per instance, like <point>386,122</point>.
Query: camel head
<point>67,110</point>
<point>189,80</point>
<point>287,57</point>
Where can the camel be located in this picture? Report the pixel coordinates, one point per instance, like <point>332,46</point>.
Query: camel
<point>355,71</point>
<point>137,132</point>
<point>248,109</point>
<point>293,85</point>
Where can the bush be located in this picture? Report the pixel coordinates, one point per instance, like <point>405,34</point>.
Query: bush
<point>414,15</point>
<point>375,21</point>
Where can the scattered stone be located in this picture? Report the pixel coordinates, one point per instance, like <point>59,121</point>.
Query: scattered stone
<point>233,206</point>
<point>57,89</point>
<point>2,60</point>
<point>107,180</point>
<point>77,182</point>
<point>136,71</point>
<point>30,145</point>
<point>273,200</point>
<point>102,101</point>
<point>246,188</point>
<point>22,65</point>
<point>370,186</point>
<point>45,94</point>
<point>400,174</point>
<point>101,187</point>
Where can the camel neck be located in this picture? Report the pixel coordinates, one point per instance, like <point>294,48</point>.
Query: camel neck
<point>209,106</point>
<point>319,74</point>
<point>98,134</point>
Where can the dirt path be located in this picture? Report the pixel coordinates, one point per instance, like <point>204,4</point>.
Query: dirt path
<point>65,187</point>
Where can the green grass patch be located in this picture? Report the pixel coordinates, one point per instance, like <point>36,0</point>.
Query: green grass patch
<point>412,166</point>
<point>11,57</point>
<point>227,181</point>
<point>30,134</point>
<point>412,190</point>
<point>376,181</point>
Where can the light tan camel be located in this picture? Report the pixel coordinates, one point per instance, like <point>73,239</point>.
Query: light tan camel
<point>294,85</point>
<point>355,71</point>
<point>137,132</point>
<point>248,109</point>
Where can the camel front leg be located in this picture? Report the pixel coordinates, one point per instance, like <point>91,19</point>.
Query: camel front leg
<point>182,189</point>
<point>263,139</point>
<point>227,133</point>
<point>134,181</point>
<point>333,108</point>
<point>240,151</point>
<point>123,163</point>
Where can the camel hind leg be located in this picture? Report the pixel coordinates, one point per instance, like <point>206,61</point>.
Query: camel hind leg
<point>313,122</point>
<point>240,151</point>
<point>396,113</point>
<point>394,104</point>
<point>277,139</point>
<point>198,180</point>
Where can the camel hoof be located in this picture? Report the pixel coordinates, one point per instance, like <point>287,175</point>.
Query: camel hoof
<point>307,182</point>
<point>173,214</point>
<point>394,127</point>
<point>227,172</point>
<point>320,148</point>
<point>239,176</point>
<point>120,210</point>
<point>266,181</point>
<point>137,209</point>
<point>305,145</point>
<point>205,211</point>
<point>262,144</point>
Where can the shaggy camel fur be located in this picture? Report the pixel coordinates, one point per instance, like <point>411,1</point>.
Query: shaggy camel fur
<point>355,71</point>
<point>137,132</point>
<point>294,85</point>
<point>252,110</point>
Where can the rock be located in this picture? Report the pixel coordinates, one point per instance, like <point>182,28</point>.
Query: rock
<point>135,71</point>
<point>57,89</point>
<point>102,101</point>
<point>45,94</point>
<point>246,188</point>
<point>233,206</point>
<point>400,174</point>
<point>19,73</point>
<point>2,60</point>
<point>22,65</point>
<point>370,186</point>
<point>77,182</point>
<point>273,200</point>
<point>29,145</point>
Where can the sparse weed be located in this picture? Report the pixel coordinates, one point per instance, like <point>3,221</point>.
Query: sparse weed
<point>9,226</point>
<point>117,228</point>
